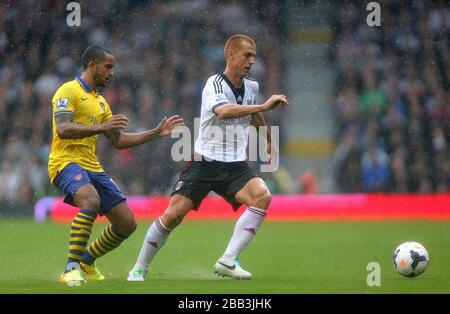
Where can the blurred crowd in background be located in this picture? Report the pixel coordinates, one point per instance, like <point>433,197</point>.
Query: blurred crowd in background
<point>165,51</point>
<point>392,98</point>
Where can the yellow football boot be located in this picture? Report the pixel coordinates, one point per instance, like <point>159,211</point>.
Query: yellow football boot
<point>92,272</point>
<point>72,278</point>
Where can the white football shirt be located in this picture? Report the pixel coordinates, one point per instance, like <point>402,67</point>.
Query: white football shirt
<point>224,139</point>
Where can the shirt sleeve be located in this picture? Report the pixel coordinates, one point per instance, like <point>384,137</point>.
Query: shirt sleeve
<point>215,96</point>
<point>63,101</point>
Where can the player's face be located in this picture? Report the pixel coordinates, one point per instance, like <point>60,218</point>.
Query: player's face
<point>104,70</point>
<point>245,58</point>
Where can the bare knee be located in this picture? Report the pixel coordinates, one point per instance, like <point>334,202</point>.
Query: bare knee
<point>179,206</point>
<point>262,199</point>
<point>171,219</point>
<point>86,197</point>
<point>127,228</point>
<point>130,227</point>
<point>90,202</point>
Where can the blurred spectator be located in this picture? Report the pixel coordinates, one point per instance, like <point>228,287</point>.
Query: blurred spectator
<point>375,169</point>
<point>399,171</point>
<point>308,182</point>
<point>347,163</point>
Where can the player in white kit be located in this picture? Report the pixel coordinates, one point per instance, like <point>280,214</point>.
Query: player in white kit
<point>219,162</point>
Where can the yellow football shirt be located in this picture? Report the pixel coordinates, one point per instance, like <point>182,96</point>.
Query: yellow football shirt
<point>88,108</point>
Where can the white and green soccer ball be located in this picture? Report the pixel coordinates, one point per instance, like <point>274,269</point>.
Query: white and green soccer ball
<point>411,259</point>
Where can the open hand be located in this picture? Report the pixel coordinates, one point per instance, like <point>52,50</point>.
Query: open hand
<point>166,126</point>
<point>274,101</point>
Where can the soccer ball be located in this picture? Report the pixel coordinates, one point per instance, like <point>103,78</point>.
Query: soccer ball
<point>411,259</point>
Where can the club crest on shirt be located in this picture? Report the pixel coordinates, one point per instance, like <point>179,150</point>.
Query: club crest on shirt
<point>102,105</point>
<point>62,103</point>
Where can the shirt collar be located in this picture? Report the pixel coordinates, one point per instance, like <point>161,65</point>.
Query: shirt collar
<point>83,84</point>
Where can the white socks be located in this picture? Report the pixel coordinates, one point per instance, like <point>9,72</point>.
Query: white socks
<point>244,231</point>
<point>156,236</point>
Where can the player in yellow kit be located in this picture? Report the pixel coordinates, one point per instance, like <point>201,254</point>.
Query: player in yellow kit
<point>80,114</point>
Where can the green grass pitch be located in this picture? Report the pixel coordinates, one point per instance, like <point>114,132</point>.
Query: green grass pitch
<point>285,257</point>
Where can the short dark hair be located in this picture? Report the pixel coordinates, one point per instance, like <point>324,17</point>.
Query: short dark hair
<point>93,53</point>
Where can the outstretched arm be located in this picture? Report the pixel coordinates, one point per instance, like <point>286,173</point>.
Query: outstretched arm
<point>122,140</point>
<point>67,129</point>
<point>230,111</point>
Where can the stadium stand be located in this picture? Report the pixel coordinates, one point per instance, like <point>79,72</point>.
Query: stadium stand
<point>392,98</point>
